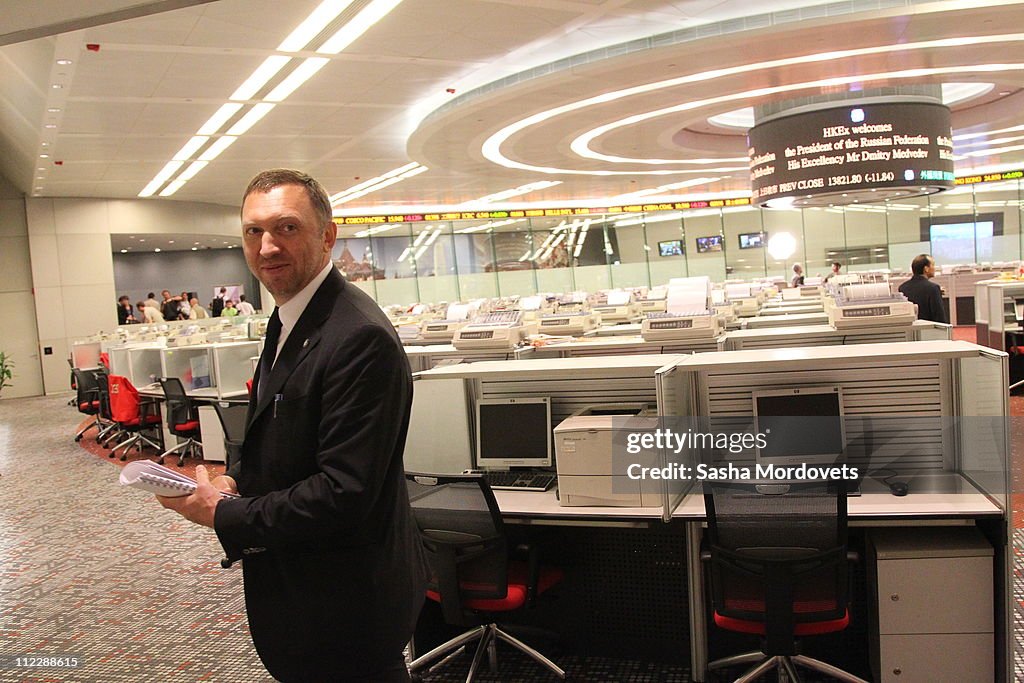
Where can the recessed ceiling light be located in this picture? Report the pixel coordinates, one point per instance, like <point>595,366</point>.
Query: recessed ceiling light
<point>195,248</point>
<point>46,144</point>
<point>157,250</point>
<point>44,156</point>
<point>170,241</point>
<point>195,243</point>
<point>50,125</point>
<point>56,86</point>
<point>38,189</point>
<point>141,240</point>
<point>63,62</point>
<point>124,251</point>
<point>41,168</point>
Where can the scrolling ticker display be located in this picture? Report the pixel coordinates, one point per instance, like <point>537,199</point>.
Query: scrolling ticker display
<point>850,154</point>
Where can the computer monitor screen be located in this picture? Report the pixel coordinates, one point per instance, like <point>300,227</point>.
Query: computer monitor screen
<point>710,243</point>
<point>801,424</point>
<point>513,432</point>
<point>670,248</point>
<point>751,240</point>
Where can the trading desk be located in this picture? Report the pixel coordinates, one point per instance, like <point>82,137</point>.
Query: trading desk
<point>959,475</point>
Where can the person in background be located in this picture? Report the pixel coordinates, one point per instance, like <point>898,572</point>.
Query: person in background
<point>798,275</point>
<point>836,266</point>
<point>151,301</point>
<point>125,314</point>
<point>927,295</point>
<point>244,307</point>
<point>217,305</point>
<point>170,308</point>
<point>149,314</point>
<point>229,309</point>
<point>196,312</point>
<point>184,309</point>
<point>333,562</point>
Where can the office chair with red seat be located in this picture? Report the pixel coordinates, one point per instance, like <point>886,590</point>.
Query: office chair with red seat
<point>778,564</point>
<point>133,416</point>
<point>471,575</point>
<point>182,420</point>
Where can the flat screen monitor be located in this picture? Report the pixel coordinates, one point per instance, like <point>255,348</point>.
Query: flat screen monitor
<point>513,432</point>
<point>751,240</point>
<point>802,425</point>
<point>670,248</point>
<point>709,243</point>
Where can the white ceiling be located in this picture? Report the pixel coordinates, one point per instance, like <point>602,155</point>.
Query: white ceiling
<point>127,108</point>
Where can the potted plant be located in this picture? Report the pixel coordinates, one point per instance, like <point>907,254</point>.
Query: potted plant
<point>6,370</point>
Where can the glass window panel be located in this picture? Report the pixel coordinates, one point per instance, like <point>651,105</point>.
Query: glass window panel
<point>866,244</point>
<point>435,263</point>
<point>704,228</point>
<point>903,220</point>
<point>744,245</point>
<point>783,222</point>
<point>472,255</point>
<point>665,246</point>
<point>391,256</point>
<point>513,246</point>
<point>824,239</point>
<point>551,255</point>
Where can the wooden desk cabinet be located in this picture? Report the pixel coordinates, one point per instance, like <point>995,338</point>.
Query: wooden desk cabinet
<point>931,605</point>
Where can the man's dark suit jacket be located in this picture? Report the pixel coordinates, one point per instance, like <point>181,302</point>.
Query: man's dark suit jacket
<point>928,297</point>
<point>333,563</point>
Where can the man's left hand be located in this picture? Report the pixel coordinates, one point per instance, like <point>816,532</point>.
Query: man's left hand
<point>199,506</point>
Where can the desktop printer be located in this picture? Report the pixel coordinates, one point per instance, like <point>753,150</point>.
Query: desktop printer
<point>870,305</point>
<point>571,323</point>
<point>439,330</point>
<point>583,457</point>
<point>495,330</point>
<point>688,325</point>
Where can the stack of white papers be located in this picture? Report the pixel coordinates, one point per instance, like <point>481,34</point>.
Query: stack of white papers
<point>150,476</point>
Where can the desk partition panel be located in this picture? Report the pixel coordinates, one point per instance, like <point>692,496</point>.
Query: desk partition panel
<point>233,367</point>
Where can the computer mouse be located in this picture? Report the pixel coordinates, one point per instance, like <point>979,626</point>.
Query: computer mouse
<point>899,488</point>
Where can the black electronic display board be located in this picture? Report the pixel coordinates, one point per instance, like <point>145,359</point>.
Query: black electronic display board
<point>859,152</point>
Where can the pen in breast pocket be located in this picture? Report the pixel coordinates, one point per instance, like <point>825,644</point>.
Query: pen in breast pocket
<point>277,399</point>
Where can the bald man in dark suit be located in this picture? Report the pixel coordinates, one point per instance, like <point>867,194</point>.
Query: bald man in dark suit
<point>334,569</point>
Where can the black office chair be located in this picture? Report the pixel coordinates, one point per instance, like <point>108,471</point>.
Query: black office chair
<point>471,575</point>
<point>112,432</point>
<point>778,561</point>
<point>87,400</point>
<point>182,420</point>
<point>232,421</point>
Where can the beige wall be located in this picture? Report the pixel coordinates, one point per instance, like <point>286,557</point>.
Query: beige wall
<point>18,337</point>
<point>72,265</point>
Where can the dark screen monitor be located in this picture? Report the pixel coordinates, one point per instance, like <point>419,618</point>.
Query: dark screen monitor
<point>670,248</point>
<point>513,432</point>
<point>801,424</point>
<point>709,243</point>
<point>751,240</point>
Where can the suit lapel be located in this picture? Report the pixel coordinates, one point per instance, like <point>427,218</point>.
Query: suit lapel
<point>301,340</point>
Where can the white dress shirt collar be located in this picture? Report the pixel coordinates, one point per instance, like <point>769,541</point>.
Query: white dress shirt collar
<point>291,312</point>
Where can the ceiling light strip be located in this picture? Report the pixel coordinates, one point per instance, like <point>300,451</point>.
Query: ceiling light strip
<point>169,169</point>
<point>312,25</point>
<point>260,77</point>
<point>359,25</point>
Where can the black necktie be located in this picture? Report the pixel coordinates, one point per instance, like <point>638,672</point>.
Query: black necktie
<point>269,350</point>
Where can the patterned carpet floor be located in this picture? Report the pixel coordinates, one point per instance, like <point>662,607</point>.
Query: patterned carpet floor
<point>103,573</point>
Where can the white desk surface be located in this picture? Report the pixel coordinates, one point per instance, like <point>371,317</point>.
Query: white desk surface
<point>819,356</point>
<point>601,366</point>
<point>630,342</point>
<point>543,505</point>
<point>787,319</point>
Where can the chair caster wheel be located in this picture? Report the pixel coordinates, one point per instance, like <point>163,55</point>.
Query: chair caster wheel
<point>111,454</point>
<point>124,457</point>
<point>78,438</point>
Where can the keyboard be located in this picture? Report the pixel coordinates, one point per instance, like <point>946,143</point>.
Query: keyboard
<point>520,481</point>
